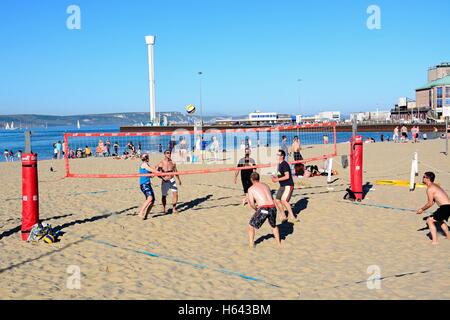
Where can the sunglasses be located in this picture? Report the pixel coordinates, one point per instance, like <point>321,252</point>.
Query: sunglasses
<point>168,153</point>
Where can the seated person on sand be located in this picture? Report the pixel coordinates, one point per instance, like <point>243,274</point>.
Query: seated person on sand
<point>310,171</point>
<point>87,151</point>
<point>99,151</point>
<point>126,155</point>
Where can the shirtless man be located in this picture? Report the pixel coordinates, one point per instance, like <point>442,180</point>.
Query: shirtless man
<point>296,149</point>
<point>168,182</point>
<point>404,131</point>
<point>395,136</point>
<point>436,195</point>
<point>260,199</point>
<point>183,149</point>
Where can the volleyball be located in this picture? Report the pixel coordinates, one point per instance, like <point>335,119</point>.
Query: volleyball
<point>190,109</point>
<point>49,238</point>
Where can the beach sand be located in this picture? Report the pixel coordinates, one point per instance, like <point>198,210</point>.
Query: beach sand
<point>202,252</point>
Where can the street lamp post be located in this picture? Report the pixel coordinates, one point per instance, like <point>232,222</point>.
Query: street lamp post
<point>201,103</point>
<point>299,106</point>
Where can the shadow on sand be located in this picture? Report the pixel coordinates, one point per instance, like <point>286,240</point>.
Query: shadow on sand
<point>92,219</point>
<point>184,206</point>
<point>285,228</point>
<point>14,230</point>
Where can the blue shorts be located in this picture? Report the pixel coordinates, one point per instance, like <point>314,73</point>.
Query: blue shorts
<point>147,190</point>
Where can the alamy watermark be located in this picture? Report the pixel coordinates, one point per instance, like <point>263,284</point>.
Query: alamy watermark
<point>73,22</point>
<point>74,278</point>
<point>374,20</point>
<point>374,281</point>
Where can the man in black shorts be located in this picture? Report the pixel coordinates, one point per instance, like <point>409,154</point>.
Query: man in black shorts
<point>296,147</point>
<point>260,199</point>
<point>246,161</point>
<point>436,194</point>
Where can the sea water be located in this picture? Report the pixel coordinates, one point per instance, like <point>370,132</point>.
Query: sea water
<point>42,139</point>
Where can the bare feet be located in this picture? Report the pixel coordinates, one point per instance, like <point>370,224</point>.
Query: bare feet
<point>174,210</point>
<point>143,217</point>
<point>434,243</point>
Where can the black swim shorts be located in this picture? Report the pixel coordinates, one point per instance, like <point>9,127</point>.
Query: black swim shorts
<point>147,190</point>
<point>297,156</point>
<point>443,213</point>
<point>262,214</point>
<point>246,184</point>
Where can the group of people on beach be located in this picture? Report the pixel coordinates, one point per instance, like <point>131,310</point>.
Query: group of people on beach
<point>102,149</point>
<point>168,183</point>
<point>9,155</point>
<point>403,137</point>
<point>58,150</point>
<point>257,194</point>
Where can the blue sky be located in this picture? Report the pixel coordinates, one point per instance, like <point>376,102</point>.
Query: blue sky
<point>251,54</point>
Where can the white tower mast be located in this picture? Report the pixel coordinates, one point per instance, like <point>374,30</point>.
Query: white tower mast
<point>150,40</point>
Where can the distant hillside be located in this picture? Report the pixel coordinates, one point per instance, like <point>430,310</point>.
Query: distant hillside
<point>111,119</point>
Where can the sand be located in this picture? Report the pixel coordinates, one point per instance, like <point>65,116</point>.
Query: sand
<point>202,252</point>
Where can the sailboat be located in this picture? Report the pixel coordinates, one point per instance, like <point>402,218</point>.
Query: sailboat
<point>78,125</point>
<point>10,127</point>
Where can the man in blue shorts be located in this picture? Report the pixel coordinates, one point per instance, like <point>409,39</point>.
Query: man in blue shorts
<point>146,187</point>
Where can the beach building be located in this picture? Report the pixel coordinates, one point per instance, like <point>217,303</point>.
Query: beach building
<point>439,71</point>
<point>407,111</point>
<point>372,116</point>
<point>258,118</point>
<point>263,116</point>
<point>436,93</point>
<point>329,116</point>
<point>326,116</point>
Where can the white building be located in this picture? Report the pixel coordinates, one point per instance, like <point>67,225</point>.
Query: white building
<point>262,116</point>
<point>380,116</point>
<point>329,116</point>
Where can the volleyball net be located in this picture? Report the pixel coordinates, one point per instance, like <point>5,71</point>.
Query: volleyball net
<point>117,155</point>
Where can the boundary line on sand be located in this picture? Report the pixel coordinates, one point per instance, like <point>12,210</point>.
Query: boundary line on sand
<point>378,206</point>
<point>178,260</point>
